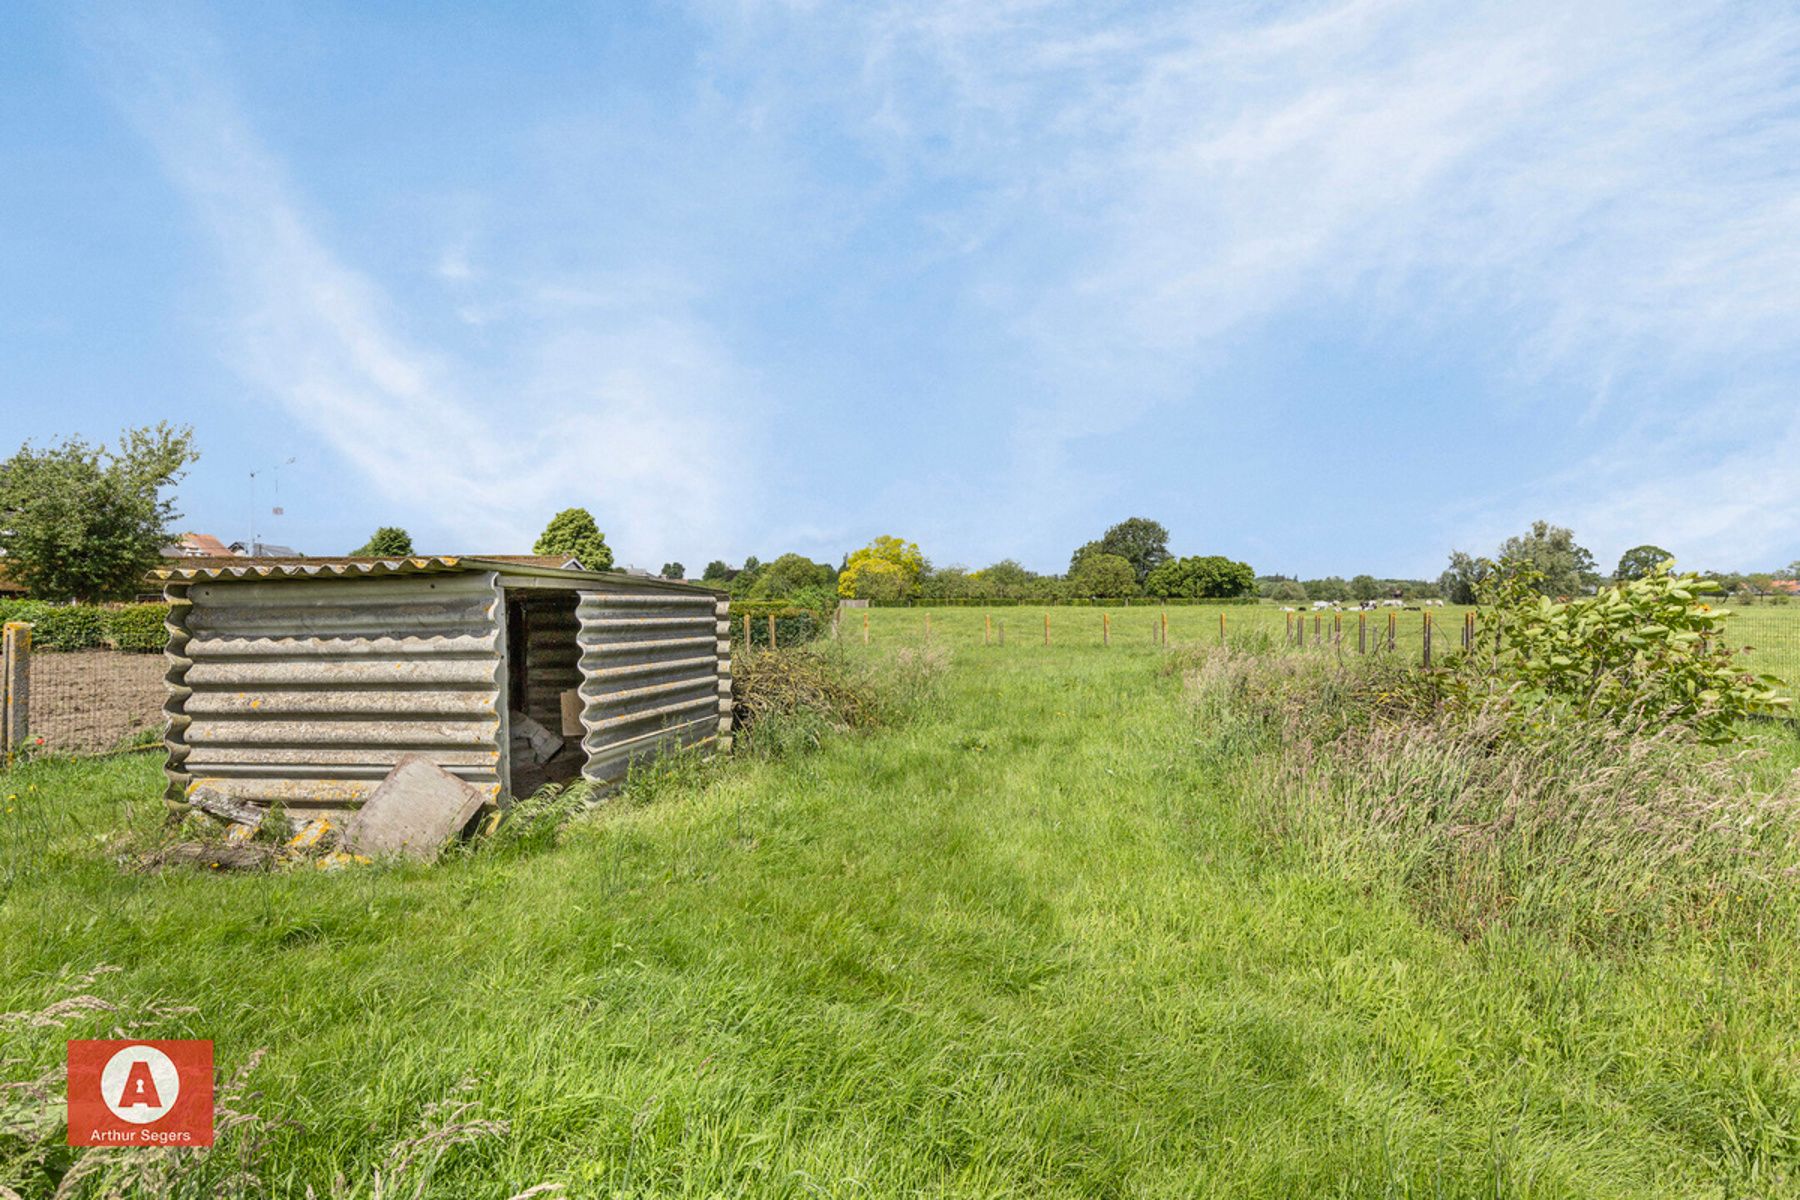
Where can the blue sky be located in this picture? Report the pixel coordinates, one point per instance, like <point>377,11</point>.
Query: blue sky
<point>1328,287</point>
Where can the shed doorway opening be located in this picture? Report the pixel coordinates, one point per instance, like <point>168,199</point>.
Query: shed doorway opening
<point>543,663</point>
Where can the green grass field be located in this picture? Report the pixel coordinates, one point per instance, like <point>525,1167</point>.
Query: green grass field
<point>1028,943</point>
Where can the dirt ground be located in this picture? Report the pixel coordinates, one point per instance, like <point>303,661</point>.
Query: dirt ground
<point>86,701</point>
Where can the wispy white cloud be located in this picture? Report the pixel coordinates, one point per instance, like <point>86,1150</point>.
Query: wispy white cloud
<point>1610,189</point>
<point>608,407</point>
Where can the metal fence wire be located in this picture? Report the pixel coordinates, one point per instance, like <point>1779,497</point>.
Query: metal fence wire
<point>80,702</point>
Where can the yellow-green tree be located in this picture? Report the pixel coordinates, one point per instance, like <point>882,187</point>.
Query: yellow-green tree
<point>887,568</point>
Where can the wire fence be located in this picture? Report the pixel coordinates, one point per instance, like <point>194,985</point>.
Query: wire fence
<point>1767,638</point>
<point>78,702</point>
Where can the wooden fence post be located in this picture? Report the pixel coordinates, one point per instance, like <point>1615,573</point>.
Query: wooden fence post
<point>1392,623</point>
<point>1165,629</point>
<point>1362,633</point>
<point>771,631</point>
<point>746,631</point>
<point>1318,629</point>
<point>1337,630</point>
<point>1428,639</point>
<point>15,657</point>
<point>865,626</point>
<point>1105,629</point>
<point>1046,629</point>
<point>1221,627</point>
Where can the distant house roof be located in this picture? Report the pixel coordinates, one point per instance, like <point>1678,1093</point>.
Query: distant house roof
<point>196,545</point>
<point>1791,586</point>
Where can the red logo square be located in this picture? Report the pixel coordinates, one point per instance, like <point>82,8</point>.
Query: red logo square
<point>140,1093</point>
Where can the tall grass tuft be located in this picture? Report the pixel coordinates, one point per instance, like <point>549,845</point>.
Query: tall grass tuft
<point>1601,834</point>
<point>789,700</point>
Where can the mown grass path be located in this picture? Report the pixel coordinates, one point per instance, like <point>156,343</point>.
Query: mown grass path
<point>1025,945</point>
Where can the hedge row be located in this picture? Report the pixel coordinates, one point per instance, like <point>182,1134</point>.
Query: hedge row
<point>133,627</point>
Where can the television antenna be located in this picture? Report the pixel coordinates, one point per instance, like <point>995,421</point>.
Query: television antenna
<point>274,474</point>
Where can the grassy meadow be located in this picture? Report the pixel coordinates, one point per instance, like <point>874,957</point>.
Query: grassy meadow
<point>1050,934</point>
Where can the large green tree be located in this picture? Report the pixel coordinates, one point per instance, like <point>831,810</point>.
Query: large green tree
<point>789,575</point>
<point>390,541</point>
<point>1105,576</point>
<point>1364,588</point>
<point>572,533</point>
<point>85,522</point>
<point>1209,576</point>
<point>1567,569</point>
<point>1462,579</point>
<point>888,568</point>
<point>1640,562</point>
<point>1138,540</point>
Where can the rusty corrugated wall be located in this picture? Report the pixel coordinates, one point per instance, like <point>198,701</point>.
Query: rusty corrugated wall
<point>305,691</point>
<point>656,675</point>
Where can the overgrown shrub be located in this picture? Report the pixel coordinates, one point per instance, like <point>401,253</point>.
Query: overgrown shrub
<point>1646,654</point>
<point>789,699</point>
<point>1570,823</point>
<point>795,621</point>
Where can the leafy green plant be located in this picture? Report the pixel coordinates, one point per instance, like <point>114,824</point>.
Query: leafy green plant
<point>1646,652</point>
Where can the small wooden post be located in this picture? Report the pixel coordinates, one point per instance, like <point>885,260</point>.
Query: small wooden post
<point>1362,633</point>
<point>865,626</point>
<point>771,631</point>
<point>1105,629</point>
<point>1165,628</point>
<point>15,654</point>
<point>746,631</point>
<point>987,628</point>
<point>1428,639</point>
<point>1046,629</point>
<point>1337,629</point>
<point>1221,627</point>
<point>1392,629</point>
<point>1318,629</point>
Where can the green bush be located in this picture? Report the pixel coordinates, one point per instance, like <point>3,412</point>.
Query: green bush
<point>68,627</point>
<point>133,627</point>
<point>1647,653</point>
<point>136,627</point>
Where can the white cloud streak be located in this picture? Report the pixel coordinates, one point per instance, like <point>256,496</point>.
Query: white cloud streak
<point>611,408</point>
<point>1612,190</point>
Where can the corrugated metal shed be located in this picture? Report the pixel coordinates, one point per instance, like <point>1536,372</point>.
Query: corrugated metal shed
<point>656,671</point>
<point>302,682</point>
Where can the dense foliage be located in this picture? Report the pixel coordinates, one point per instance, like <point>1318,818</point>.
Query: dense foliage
<point>1646,653</point>
<point>888,568</point>
<point>134,627</point>
<point>572,533</point>
<point>1138,540</point>
<point>86,522</point>
<point>390,541</point>
<point>1640,561</point>
<point>1210,576</point>
<point>1097,573</point>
